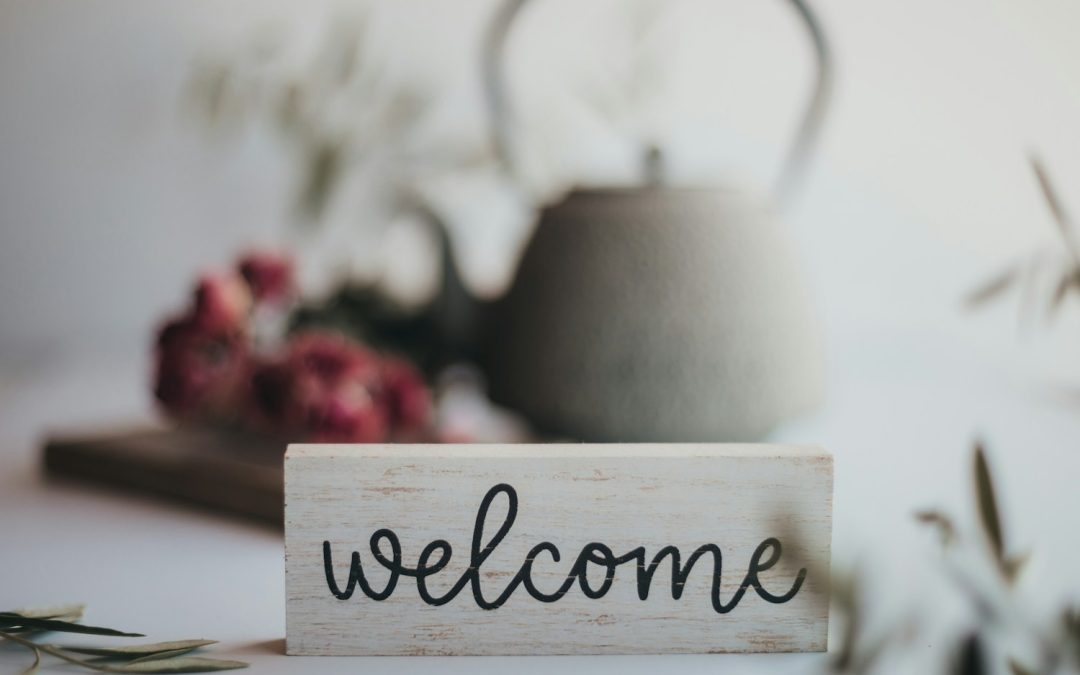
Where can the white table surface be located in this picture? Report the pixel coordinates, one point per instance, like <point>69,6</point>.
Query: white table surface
<point>909,389</point>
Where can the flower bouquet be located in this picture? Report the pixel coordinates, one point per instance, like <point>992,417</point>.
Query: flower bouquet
<point>228,361</point>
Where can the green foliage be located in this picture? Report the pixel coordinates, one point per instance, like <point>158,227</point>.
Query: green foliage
<point>158,657</point>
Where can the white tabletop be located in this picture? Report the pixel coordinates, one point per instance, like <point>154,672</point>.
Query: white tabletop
<point>900,443</point>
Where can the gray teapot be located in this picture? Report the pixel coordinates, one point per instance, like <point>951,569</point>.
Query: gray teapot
<point>652,313</point>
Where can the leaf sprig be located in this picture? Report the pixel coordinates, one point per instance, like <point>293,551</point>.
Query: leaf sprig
<point>1056,646</point>
<point>158,657</point>
<point>999,622</point>
<point>1062,264</point>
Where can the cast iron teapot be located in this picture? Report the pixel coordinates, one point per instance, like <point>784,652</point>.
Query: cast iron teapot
<point>653,313</point>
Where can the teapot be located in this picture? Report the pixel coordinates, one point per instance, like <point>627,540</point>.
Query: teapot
<point>651,313</point>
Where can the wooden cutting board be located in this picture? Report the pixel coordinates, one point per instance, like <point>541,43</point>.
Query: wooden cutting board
<point>228,472</point>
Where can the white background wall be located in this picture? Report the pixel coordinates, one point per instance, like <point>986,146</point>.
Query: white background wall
<point>110,200</point>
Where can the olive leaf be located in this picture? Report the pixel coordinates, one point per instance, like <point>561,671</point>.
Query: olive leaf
<point>1070,627</point>
<point>13,620</point>
<point>324,167</point>
<point>1016,668</point>
<point>162,655</point>
<point>140,651</point>
<point>993,287</point>
<point>1012,566</point>
<point>181,664</point>
<point>970,660</point>
<point>1056,209</point>
<point>71,612</point>
<point>158,657</point>
<point>1070,620</point>
<point>987,503</point>
<point>1025,272</point>
<point>845,590</point>
<point>1069,280</point>
<point>941,522</point>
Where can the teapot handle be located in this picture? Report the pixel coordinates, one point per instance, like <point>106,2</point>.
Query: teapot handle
<point>795,160</point>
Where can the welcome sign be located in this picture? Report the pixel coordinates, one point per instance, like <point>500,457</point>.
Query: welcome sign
<point>556,549</point>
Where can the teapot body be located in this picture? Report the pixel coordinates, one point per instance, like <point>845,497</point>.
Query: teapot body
<point>656,314</point>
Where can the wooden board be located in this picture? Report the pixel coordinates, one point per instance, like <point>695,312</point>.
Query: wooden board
<point>754,519</point>
<point>230,473</point>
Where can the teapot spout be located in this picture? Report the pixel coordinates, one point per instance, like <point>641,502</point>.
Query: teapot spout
<point>457,314</point>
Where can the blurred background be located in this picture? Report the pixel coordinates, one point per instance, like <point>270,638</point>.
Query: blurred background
<point>111,198</point>
<point>933,272</point>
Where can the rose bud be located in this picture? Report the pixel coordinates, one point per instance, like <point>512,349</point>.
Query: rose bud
<point>222,303</point>
<point>269,275</point>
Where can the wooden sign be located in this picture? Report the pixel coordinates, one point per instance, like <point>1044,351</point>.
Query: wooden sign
<point>556,549</point>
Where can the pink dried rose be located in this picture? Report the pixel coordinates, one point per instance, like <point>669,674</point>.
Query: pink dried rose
<point>331,357</point>
<point>346,415</point>
<point>268,274</point>
<point>321,386</point>
<point>335,389</point>
<point>222,303</point>
<point>199,373</point>
<point>325,388</point>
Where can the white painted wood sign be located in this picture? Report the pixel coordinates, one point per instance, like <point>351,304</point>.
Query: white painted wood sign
<point>556,549</point>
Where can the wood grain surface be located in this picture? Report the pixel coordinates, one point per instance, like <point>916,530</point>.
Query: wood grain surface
<point>624,498</point>
<point>232,473</point>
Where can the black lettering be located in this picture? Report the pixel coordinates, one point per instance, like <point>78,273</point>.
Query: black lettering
<point>436,556</point>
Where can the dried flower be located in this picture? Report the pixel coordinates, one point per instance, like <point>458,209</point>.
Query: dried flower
<point>328,388</point>
<point>321,386</point>
<point>269,275</point>
<point>334,392</point>
<point>222,303</point>
<point>331,357</point>
<point>199,372</point>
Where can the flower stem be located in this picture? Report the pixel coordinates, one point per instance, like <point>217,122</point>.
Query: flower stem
<point>32,670</point>
<point>53,651</point>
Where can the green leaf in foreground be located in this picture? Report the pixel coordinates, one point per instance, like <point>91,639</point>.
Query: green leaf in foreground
<point>162,657</point>
<point>1052,201</point>
<point>941,522</point>
<point>13,620</point>
<point>1013,566</point>
<point>72,612</point>
<point>993,287</point>
<point>139,651</point>
<point>988,510</point>
<point>1017,668</point>
<point>180,664</point>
